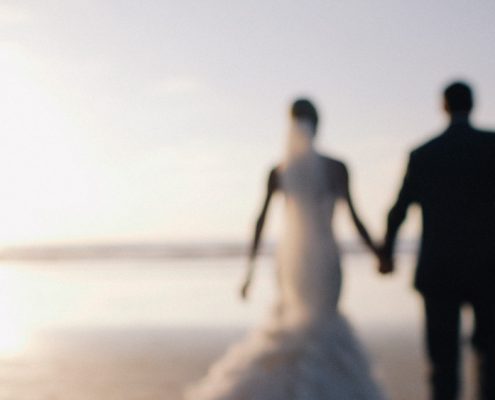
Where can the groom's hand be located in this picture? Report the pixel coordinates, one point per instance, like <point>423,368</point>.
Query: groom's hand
<point>386,266</point>
<point>386,263</point>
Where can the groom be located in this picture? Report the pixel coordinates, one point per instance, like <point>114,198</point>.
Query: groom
<point>452,179</point>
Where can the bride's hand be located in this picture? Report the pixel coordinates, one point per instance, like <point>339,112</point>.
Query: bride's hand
<point>249,277</point>
<point>245,289</point>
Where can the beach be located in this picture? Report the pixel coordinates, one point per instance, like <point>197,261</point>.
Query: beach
<point>159,364</point>
<point>139,330</point>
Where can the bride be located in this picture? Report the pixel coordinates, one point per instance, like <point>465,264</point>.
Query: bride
<point>305,350</point>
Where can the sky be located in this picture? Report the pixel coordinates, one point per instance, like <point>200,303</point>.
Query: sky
<point>159,120</point>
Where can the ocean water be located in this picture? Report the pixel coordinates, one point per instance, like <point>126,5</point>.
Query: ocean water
<point>50,295</point>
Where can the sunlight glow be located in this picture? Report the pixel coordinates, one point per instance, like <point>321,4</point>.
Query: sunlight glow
<point>13,335</point>
<point>40,157</point>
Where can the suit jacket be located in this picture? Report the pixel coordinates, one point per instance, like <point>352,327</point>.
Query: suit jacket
<point>452,179</point>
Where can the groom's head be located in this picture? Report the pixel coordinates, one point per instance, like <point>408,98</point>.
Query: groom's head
<point>458,98</point>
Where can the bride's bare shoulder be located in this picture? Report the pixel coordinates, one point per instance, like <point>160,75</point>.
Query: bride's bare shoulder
<point>274,177</point>
<point>337,166</point>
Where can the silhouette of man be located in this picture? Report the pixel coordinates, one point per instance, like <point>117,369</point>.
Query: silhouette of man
<point>452,179</point>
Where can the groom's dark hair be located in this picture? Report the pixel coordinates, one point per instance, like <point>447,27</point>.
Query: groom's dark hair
<point>304,109</point>
<point>458,97</point>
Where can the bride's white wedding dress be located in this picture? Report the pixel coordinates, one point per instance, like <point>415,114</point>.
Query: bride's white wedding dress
<point>306,350</point>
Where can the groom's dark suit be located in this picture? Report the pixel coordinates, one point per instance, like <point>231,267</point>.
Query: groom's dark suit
<point>452,179</point>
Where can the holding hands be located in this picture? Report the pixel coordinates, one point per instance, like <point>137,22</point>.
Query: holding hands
<point>385,261</point>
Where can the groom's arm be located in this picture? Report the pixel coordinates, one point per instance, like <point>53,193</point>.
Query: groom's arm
<point>407,196</point>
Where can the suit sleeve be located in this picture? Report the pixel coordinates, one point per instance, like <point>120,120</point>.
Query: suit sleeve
<point>407,196</point>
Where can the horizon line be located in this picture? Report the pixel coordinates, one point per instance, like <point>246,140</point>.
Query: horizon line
<point>164,250</point>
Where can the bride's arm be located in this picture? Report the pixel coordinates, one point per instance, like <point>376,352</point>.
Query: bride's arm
<point>363,232</point>
<point>271,187</point>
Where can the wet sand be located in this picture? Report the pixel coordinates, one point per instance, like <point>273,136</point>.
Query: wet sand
<point>124,331</point>
<point>150,364</point>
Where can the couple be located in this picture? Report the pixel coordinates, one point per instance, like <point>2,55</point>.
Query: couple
<point>306,349</point>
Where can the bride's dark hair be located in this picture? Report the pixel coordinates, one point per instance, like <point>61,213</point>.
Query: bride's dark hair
<point>304,109</point>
